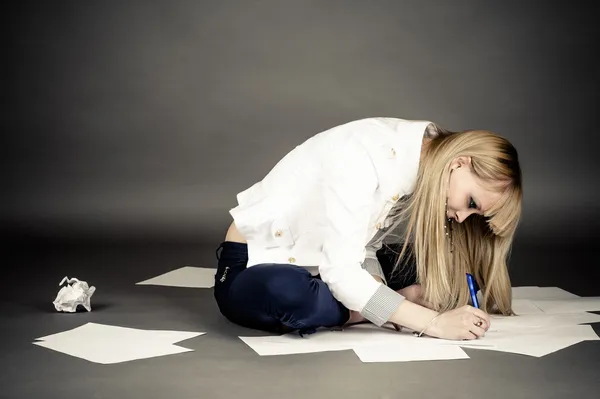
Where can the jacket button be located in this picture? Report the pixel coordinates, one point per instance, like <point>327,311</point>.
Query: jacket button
<point>278,233</point>
<point>292,259</point>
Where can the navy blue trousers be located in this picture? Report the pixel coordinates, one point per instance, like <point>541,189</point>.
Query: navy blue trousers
<point>280,297</point>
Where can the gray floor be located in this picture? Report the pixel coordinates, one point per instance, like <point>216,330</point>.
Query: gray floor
<point>222,366</point>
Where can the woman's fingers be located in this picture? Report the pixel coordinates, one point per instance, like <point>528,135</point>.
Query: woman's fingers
<point>481,315</point>
<point>478,332</point>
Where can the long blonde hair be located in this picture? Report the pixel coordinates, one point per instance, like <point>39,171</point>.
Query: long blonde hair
<point>481,244</point>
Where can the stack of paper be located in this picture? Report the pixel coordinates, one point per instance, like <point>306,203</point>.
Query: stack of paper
<point>112,344</point>
<point>549,319</point>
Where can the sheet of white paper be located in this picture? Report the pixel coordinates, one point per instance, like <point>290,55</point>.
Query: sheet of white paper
<point>525,307</point>
<point>585,332</point>
<point>113,344</point>
<point>364,335</point>
<point>533,292</point>
<point>573,305</point>
<point>188,276</point>
<point>289,345</point>
<point>537,341</point>
<point>530,346</point>
<point>109,353</point>
<point>408,353</point>
<point>113,333</point>
<point>512,323</point>
<point>322,341</point>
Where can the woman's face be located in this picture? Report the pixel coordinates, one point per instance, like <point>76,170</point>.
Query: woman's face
<point>466,193</point>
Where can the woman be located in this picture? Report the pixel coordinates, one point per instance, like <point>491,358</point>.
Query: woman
<point>304,248</point>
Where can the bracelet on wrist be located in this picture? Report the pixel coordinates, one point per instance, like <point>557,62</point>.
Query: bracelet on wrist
<point>419,334</point>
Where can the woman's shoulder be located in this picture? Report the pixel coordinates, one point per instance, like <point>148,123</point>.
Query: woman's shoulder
<point>375,130</point>
<point>396,134</point>
<point>387,127</point>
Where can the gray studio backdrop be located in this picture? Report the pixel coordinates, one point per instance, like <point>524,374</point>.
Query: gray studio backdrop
<point>144,119</point>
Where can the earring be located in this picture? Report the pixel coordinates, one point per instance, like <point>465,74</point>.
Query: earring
<point>448,227</point>
<point>448,224</point>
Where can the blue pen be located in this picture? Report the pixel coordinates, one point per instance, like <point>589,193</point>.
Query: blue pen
<point>471,283</point>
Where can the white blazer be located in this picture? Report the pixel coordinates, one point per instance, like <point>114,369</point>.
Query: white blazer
<point>322,203</point>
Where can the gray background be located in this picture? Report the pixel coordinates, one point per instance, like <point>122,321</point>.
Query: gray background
<point>129,127</point>
<point>129,119</point>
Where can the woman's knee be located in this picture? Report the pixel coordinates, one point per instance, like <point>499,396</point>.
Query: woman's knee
<point>283,286</point>
<point>291,287</point>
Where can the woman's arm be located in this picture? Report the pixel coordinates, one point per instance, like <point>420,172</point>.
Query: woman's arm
<point>457,324</point>
<point>350,183</point>
<point>412,315</point>
<point>417,315</point>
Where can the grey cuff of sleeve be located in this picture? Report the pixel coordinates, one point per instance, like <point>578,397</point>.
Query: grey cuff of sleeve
<point>374,268</point>
<point>382,305</point>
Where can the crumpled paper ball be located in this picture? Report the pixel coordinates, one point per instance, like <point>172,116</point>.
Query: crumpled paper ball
<point>71,296</point>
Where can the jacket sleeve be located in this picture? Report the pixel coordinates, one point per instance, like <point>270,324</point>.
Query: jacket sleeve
<point>371,263</point>
<point>349,186</point>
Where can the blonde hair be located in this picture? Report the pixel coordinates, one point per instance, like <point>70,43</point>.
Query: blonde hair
<point>481,244</point>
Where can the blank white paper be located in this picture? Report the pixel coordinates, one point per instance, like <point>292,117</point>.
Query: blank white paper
<point>108,353</point>
<point>528,346</point>
<point>290,344</point>
<point>573,305</point>
<point>537,342</point>
<point>533,292</point>
<point>107,344</point>
<point>321,341</point>
<point>409,353</point>
<point>188,276</point>
<point>512,323</point>
<point>525,307</point>
<point>114,333</point>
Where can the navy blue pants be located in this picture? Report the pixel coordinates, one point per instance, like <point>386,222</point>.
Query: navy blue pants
<point>279,297</point>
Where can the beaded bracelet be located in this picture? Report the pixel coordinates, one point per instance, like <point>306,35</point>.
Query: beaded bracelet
<point>416,334</point>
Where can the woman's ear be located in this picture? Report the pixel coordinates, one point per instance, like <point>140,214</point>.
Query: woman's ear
<point>459,162</point>
<point>456,163</point>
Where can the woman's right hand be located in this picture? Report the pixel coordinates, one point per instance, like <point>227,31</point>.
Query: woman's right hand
<point>460,324</point>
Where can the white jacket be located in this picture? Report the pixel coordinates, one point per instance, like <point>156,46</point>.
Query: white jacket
<point>322,203</point>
